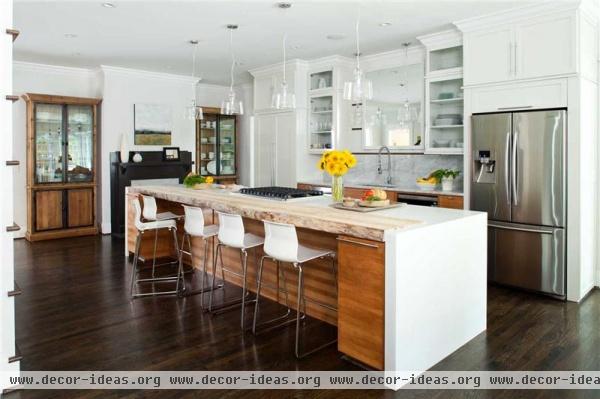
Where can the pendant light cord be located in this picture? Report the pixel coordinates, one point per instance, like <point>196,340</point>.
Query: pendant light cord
<point>284,45</point>
<point>357,41</point>
<point>232,58</point>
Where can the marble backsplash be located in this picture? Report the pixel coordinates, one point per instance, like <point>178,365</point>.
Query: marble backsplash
<point>406,168</point>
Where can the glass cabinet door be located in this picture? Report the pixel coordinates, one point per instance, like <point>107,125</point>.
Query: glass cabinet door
<point>208,145</point>
<point>80,139</point>
<point>48,143</point>
<point>226,145</point>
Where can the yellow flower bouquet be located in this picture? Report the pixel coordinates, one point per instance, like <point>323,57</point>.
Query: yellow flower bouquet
<point>337,163</point>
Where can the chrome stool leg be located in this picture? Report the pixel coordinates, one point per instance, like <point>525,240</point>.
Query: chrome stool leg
<point>259,285</point>
<point>136,255</point>
<point>230,305</point>
<point>134,272</point>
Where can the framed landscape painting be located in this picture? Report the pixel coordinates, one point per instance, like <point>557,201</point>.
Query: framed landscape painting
<point>152,124</point>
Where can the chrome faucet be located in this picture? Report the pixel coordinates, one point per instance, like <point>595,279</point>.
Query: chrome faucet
<point>388,179</point>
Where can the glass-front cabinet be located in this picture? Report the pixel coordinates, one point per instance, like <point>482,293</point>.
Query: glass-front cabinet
<point>61,183</point>
<point>64,143</point>
<point>216,146</point>
<point>445,115</point>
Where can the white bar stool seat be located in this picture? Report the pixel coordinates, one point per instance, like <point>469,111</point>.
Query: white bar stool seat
<point>194,227</point>
<point>281,245</point>
<point>233,235</point>
<point>143,227</point>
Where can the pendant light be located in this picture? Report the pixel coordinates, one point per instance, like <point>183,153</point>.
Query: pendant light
<point>281,98</point>
<point>194,111</point>
<point>230,106</point>
<point>407,114</point>
<point>359,89</point>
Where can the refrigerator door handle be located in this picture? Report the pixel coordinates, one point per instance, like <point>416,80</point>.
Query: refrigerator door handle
<point>539,230</point>
<point>515,185</point>
<point>506,164</point>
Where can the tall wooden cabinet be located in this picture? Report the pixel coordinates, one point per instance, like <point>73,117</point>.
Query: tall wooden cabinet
<point>61,166</point>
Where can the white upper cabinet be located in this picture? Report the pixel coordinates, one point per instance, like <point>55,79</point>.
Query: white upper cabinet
<point>545,48</point>
<point>534,46</point>
<point>267,79</point>
<point>488,56</point>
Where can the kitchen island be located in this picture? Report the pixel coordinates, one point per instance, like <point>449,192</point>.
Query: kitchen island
<point>411,280</point>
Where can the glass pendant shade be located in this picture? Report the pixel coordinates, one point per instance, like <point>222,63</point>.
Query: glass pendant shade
<point>194,112</point>
<point>359,89</point>
<point>231,106</point>
<point>282,99</point>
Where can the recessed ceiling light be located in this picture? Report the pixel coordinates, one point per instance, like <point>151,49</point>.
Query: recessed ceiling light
<point>335,36</point>
<point>383,24</point>
<point>70,35</point>
<point>284,5</point>
<point>109,5</point>
<point>193,41</point>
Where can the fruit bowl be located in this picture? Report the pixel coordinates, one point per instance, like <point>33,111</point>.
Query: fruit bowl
<point>426,186</point>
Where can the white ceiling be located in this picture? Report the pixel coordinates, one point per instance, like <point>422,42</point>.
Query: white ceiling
<point>153,35</point>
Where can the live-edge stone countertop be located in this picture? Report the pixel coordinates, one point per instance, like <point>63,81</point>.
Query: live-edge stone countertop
<point>311,213</point>
<point>398,189</point>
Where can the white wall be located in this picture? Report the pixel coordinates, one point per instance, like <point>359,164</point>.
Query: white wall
<point>119,88</point>
<point>42,79</point>
<point>122,88</point>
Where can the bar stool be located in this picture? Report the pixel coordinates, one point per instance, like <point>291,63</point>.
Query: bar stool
<point>143,227</point>
<point>281,245</point>
<point>232,235</point>
<point>194,227</point>
<point>150,214</point>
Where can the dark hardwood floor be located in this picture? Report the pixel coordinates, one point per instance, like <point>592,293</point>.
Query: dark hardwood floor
<point>75,314</point>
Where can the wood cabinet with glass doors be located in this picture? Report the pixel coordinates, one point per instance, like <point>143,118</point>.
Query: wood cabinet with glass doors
<point>216,146</point>
<point>61,166</point>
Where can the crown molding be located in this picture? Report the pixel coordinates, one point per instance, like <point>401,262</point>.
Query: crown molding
<point>272,68</point>
<point>330,61</point>
<point>443,39</point>
<point>516,15</point>
<point>390,59</point>
<point>48,68</point>
<point>108,69</point>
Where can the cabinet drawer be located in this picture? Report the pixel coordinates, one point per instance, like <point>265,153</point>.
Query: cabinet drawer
<point>361,290</point>
<point>514,96</point>
<point>450,201</point>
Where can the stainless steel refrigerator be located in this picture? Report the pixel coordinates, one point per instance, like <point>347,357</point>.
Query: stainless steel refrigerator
<point>519,178</point>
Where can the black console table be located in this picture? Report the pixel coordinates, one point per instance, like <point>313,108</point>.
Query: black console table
<point>151,167</point>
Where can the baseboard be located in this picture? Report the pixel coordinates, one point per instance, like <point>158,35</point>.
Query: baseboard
<point>105,228</point>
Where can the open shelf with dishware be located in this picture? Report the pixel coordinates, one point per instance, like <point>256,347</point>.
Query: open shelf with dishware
<point>216,146</point>
<point>444,121</point>
<point>321,122</point>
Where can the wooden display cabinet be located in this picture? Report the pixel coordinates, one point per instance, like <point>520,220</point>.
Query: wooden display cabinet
<point>61,166</point>
<point>217,146</point>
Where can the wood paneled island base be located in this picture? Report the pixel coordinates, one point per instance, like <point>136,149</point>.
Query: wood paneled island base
<point>365,267</point>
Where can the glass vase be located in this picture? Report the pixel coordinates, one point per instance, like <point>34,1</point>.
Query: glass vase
<point>337,188</point>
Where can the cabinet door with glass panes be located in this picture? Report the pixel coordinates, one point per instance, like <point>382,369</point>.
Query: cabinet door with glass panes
<point>216,145</point>
<point>64,143</point>
<point>207,145</point>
